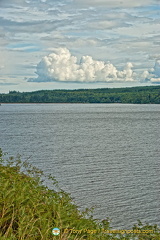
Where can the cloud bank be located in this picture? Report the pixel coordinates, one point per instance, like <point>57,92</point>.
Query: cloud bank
<point>62,66</point>
<point>115,3</point>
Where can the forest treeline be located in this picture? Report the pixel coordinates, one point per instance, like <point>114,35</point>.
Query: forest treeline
<point>136,95</point>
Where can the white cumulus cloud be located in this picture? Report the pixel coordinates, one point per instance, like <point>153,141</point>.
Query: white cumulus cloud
<point>152,75</point>
<point>62,66</point>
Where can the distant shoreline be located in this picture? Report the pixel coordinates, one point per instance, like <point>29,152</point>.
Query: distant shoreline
<point>133,95</point>
<point>80,103</point>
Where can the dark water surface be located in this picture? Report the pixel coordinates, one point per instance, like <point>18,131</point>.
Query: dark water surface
<point>105,155</point>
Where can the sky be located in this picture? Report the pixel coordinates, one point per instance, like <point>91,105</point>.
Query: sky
<point>75,44</point>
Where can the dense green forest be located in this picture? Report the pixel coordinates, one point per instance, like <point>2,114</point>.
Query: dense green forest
<point>137,95</point>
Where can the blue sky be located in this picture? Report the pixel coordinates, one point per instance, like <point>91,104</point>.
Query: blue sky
<point>70,44</point>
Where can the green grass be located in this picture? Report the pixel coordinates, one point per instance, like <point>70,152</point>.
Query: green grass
<point>29,210</point>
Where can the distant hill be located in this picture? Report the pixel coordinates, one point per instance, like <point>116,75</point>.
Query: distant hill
<point>137,95</point>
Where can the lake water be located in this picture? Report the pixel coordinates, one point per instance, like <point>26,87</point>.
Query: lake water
<point>105,155</point>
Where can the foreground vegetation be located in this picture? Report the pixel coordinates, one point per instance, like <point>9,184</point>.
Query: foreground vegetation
<point>29,210</point>
<point>138,95</point>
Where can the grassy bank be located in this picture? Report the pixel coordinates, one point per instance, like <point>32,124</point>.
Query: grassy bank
<point>29,210</point>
